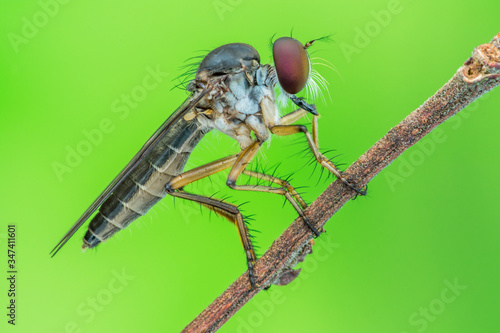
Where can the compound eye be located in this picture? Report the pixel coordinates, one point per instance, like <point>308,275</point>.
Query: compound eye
<point>292,64</point>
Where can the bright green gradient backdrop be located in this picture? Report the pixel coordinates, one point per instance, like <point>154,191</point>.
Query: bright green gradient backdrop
<point>430,218</point>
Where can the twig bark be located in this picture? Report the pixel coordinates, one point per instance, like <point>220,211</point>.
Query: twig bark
<point>479,74</point>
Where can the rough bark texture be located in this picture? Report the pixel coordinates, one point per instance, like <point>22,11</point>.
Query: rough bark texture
<point>479,74</point>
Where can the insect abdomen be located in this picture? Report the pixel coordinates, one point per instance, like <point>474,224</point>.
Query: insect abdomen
<point>145,185</point>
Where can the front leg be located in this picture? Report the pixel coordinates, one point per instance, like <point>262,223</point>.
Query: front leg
<point>284,130</point>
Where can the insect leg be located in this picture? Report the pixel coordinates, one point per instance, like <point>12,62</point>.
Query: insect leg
<point>283,183</point>
<point>284,130</point>
<point>292,117</point>
<point>200,172</point>
<point>229,211</point>
<point>239,167</point>
<point>209,169</point>
<point>232,213</point>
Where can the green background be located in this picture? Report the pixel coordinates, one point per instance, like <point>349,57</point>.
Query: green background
<point>430,219</point>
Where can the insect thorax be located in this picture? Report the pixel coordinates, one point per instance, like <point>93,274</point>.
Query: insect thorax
<point>241,99</point>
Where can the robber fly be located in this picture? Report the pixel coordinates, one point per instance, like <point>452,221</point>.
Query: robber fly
<point>233,93</point>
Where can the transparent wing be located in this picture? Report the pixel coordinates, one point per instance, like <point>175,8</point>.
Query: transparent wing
<point>180,112</point>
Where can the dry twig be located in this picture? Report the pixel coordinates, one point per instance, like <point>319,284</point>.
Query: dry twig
<point>479,74</point>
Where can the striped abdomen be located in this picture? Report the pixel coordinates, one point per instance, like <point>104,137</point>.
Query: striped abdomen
<point>145,185</point>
